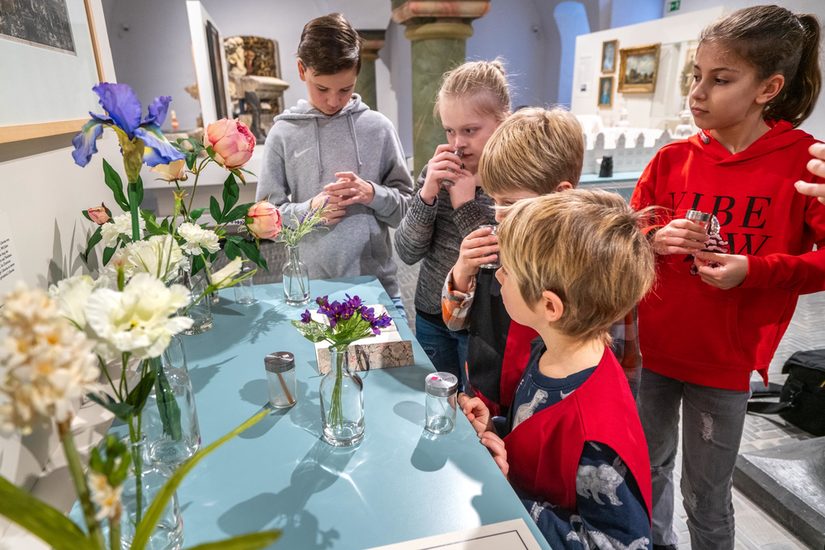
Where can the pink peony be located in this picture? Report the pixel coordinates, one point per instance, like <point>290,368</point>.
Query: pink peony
<point>99,214</point>
<point>232,142</point>
<point>263,220</point>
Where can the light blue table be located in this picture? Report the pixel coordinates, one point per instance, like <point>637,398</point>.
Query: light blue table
<point>399,484</point>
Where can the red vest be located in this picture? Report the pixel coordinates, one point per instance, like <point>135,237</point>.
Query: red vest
<point>544,451</point>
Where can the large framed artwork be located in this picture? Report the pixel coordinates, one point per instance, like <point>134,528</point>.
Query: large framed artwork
<point>49,62</point>
<point>210,63</point>
<point>638,68</point>
<point>609,56</point>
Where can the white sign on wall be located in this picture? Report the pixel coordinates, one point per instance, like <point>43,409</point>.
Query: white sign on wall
<point>9,273</point>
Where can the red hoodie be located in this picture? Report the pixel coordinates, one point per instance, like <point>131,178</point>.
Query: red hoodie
<point>694,332</point>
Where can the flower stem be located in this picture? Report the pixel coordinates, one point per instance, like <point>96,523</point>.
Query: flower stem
<point>80,483</point>
<point>137,466</point>
<point>114,531</point>
<point>336,412</point>
<point>134,210</point>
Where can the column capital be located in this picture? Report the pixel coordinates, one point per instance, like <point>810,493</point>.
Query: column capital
<point>418,12</point>
<point>373,41</point>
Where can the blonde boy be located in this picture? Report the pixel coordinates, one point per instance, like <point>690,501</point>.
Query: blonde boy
<point>571,263</point>
<point>534,152</point>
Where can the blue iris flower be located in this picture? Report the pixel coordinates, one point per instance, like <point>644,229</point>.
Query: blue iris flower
<point>141,139</point>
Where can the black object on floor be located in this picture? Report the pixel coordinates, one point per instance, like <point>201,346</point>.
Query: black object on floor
<point>606,167</point>
<point>788,482</point>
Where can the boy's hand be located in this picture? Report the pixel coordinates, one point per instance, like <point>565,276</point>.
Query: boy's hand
<point>479,247</point>
<point>497,448</point>
<point>476,412</point>
<point>351,189</point>
<point>816,166</point>
<point>333,211</point>
<point>445,164</point>
<point>722,270</point>
<point>680,236</point>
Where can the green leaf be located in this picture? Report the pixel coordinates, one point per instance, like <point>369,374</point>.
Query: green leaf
<point>123,411</point>
<point>215,209</point>
<point>153,513</point>
<point>108,252</point>
<point>86,214</point>
<point>231,249</point>
<point>113,182</point>
<point>42,520</point>
<point>139,190</point>
<point>238,212</point>
<point>198,263</point>
<point>231,193</point>
<point>252,541</point>
<point>94,238</point>
<point>196,213</point>
<point>152,226</point>
<point>137,397</point>
<point>251,251</point>
<point>167,405</point>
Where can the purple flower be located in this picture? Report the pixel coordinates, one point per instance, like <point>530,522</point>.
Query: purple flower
<point>306,316</point>
<point>123,115</point>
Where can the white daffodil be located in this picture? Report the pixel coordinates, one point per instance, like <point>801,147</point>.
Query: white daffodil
<point>140,320</point>
<point>159,256</point>
<point>225,276</point>
<point>71,295</point>
<point>120,225</point>
<point>46,364</point>
<point>197,239</point>
<point>106,497</point>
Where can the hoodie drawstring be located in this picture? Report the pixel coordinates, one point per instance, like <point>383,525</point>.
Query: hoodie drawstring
<point>354,140</point>
<point>318,141</point>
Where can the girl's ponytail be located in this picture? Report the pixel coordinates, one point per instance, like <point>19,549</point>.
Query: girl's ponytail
<point>797,100</point>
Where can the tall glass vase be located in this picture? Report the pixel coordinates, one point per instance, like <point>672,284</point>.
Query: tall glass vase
<point>342,402</point>
<point>136,498</point>
<point>170,418</point>
<point>201,312</point>
<point>296,278</point>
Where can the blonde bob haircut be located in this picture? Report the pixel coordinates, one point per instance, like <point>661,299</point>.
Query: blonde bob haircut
<point>585,246</point>
<point>533,149</point>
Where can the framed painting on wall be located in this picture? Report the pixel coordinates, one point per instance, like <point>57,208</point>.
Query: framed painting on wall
<point>605,92</point>
<point>50,60</point>
<point>609,56</point>
<point>638,69</point>
<point>210,63</point>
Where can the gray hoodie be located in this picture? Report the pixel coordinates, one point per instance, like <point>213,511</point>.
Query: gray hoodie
<point>304,150</point>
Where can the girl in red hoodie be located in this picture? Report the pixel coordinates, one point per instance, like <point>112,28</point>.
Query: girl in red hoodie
<point>726,293</point>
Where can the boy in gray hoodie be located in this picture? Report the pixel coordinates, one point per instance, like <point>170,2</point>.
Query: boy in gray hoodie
<point>334,150</point>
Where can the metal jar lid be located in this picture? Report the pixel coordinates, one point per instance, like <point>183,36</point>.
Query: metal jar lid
<point>440,384</point>
<point>279,361</point>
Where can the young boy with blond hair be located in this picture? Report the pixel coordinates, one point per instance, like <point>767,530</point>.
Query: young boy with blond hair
<point>534,152</point>
<point>574,449</point>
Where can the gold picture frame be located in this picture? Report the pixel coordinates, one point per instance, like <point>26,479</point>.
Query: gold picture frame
<point>85,55</point>
<point>609,52</point>
<point>605,92</point>
<point>638,69</point>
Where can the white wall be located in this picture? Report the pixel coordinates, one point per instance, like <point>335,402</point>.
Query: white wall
<point>644,110</point>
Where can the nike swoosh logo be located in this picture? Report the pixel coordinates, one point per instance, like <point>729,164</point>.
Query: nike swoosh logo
<point>300,153</point>
<point>563,395</point>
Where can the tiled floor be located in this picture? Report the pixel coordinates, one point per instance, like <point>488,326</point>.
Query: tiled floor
<point>754,528</point>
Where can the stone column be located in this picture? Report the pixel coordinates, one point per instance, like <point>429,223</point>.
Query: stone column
<point>438,31</point>
<point>365,86</point>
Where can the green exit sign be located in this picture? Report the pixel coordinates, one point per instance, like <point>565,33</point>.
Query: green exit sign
<point>674,5</point>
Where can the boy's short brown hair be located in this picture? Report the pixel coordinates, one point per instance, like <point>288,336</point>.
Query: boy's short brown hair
<point>329,45</point>
<point>587,247</point>
<point>534,149</point>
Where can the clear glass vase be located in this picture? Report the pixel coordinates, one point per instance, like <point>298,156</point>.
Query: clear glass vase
<point>137,497</point>
<point>342,402</point>
<point>170,418</point>
<point>201,312</point>
<point>296,278</point>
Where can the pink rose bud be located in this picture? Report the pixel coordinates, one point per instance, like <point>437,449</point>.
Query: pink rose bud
<point>231,141</point>
<point>173,171</point>
<point>263,220</point>
<point>99,214</point>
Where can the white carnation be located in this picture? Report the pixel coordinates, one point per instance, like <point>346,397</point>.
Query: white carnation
<point>140,320</point>
<point>71,295</point>
<point>120,225</point>
<point>159,256</point>
<point>197,239</point>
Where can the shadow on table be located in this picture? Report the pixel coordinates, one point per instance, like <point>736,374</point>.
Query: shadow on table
<point>200,376</point>
<point>411,376</point>
<point>265,322</point>
<point>322,466</point>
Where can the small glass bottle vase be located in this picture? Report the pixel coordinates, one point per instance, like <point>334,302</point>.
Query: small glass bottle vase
<point>168,533</point>
<point>296,278</point>
<point>170,418</point>
<point>201,312</point>
<point>342,402</point>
